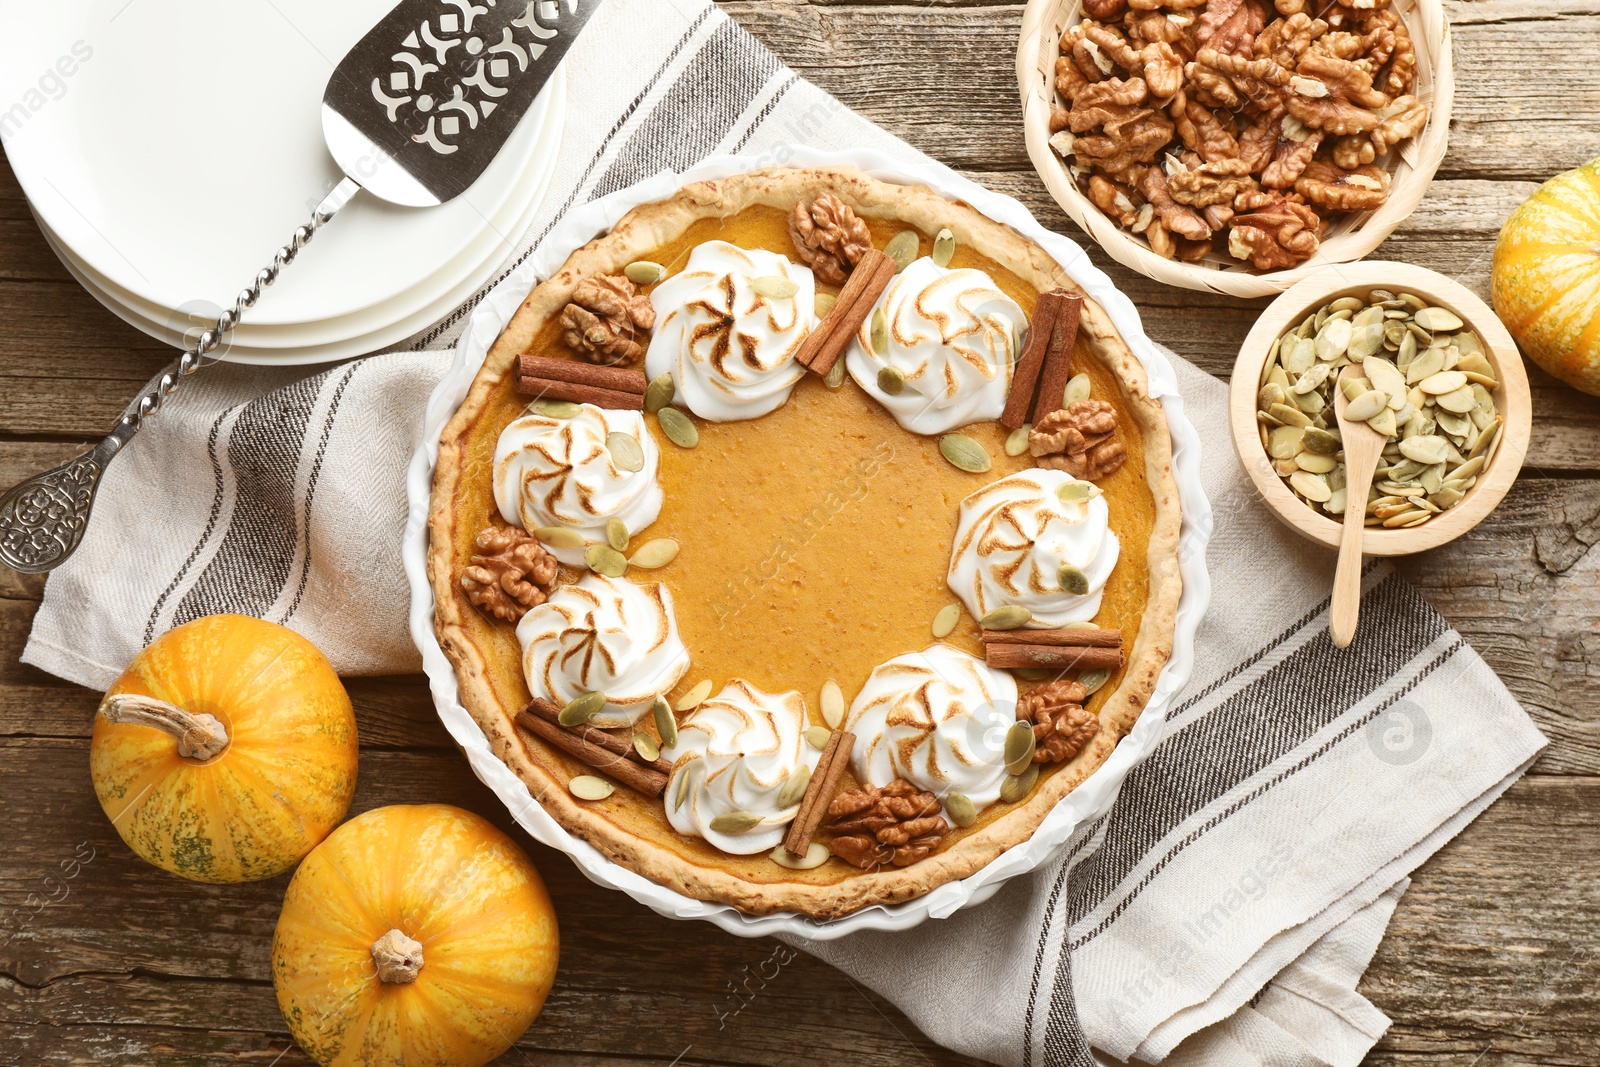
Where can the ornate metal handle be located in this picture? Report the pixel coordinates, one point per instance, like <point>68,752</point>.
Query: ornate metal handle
<point>43,518</point>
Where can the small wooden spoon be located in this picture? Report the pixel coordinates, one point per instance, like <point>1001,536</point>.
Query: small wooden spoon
<point>1363,446</point>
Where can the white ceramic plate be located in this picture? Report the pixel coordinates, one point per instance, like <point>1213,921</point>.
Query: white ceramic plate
<point>173,161</point>
<point>370,329</point>
<point>1084,803</point>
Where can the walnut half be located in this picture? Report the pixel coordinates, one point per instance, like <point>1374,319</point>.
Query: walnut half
<point>1061,725</point>
<point>510,573</point>
<point>895,825</point>
<point>1079,439</point>
<point>828,236</point>
<point>608,320</point>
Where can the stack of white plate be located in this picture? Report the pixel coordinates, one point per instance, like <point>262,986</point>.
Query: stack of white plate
<point>169,147</point>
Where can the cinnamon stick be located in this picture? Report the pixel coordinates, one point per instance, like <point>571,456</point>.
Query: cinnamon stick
<point>1025,376</point>
<point>819,792</point>
<point>1058,356</point>
<point>1054,657</point>
<point>824,346</point>
<point>650,782</point>
<point>545,389</point>
<point>1061,638</point>
<point>618,379</point>
<point>605,739</point>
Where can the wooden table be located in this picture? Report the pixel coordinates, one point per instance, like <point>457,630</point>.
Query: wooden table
<point>1491,959</point>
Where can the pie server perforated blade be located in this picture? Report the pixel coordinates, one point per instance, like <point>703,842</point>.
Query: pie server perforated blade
<point>413,114</point>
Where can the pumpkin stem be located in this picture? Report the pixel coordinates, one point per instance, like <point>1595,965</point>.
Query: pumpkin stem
<point>398,957</point>
<point>199,736</point>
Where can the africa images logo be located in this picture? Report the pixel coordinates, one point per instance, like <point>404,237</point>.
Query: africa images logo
<point>49,86</point>
<point>1400,734</point>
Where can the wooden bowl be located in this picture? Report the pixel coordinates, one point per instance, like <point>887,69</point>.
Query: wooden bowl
<point>1513,396</point>
<point>1351,237</point>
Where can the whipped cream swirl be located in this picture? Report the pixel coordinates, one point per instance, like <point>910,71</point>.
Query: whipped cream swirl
<point>950,338</point>
<point>1013,537</point>
<point>604,635</point>
<point>937,718</point>
<point>737,751</point>
<point>558,472</point>
<point>730,349</point>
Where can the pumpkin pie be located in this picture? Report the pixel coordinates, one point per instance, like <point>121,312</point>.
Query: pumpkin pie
<point>752,568</point>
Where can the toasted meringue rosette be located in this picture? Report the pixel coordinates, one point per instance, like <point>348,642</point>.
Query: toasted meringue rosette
<point>937,718</point>
<point>604,635</point>
<point>1014,537</point>
<point>551,471</point>
<point>950,335</point>
<point>734,764</point>
<point>727,335</point>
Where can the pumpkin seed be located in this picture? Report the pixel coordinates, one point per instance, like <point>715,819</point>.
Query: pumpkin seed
<point>1384,422</point>
<point>1311,378</point>
<point>1437,319</point>
<point>1425,450</point>
<point>1314,487</point>
<point>1385,376</point>
<point>1459,400</point>
<point>1366,406</point>
<point>1446,381</point>
<point>1017,440</point>
<point>817,737</point>
<point>794,787</point>
<point>816,855</point>
<point>678,427</point>
<point>658,394</point>
<point>735,822</point>
<point>617,534</point>
<point>1271,394</point>
<point>1316,464</point>
<point>944,248</point>
<point>666,722</point>
<point>648,748</point>
<point>1289,416</point>
<point>625,451</point>
<point>1321,442</point>
<point>1019,747</point>
<point>774,287</point>
<point>945,621</point>
<point>1006,617</point>
<point>554,409</point>
<point>1094,681</point>
<point>903,248</point>
<point>581,709</point>
<point>879,337</point>
<point>695,696</point>
<point>960,808</point>
<point>823,303</point>
<point>1074,491</point>
<point>832,704</point>
<point>1072,580</point>
<point>588,787</point>
<point>890,381</point>
<point>603,559</point>
<point>559,537</point>
<point>644,272</point>
<point>1019,334</point>
<point>654,554</point>
<point>835,375</point>
<point>1286,441</point>
<point>680,791</point>
<point>1333,339</point>
<point>964,453</point>
<point>1018,786</point>
<point>1077,389</point>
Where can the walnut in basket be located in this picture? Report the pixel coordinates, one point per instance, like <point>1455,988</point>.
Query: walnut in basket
<point>1235,129</point>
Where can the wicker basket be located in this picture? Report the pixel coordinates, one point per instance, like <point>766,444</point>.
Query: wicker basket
<point>1349,238</point>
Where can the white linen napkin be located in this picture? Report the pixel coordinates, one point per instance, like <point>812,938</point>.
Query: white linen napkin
<point>1220,913</point>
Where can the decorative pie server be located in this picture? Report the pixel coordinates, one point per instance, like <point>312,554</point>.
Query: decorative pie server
<point>413,114</point>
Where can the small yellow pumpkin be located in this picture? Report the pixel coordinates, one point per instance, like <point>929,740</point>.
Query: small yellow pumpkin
<point>226,751</point>
<point>1546,279</point>
<point>414,936</point>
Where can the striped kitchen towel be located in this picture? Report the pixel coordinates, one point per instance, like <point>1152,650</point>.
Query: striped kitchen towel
<point>1219,915</point>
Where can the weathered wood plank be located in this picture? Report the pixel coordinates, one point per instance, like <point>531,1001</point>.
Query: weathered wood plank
<point>900,65</point>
